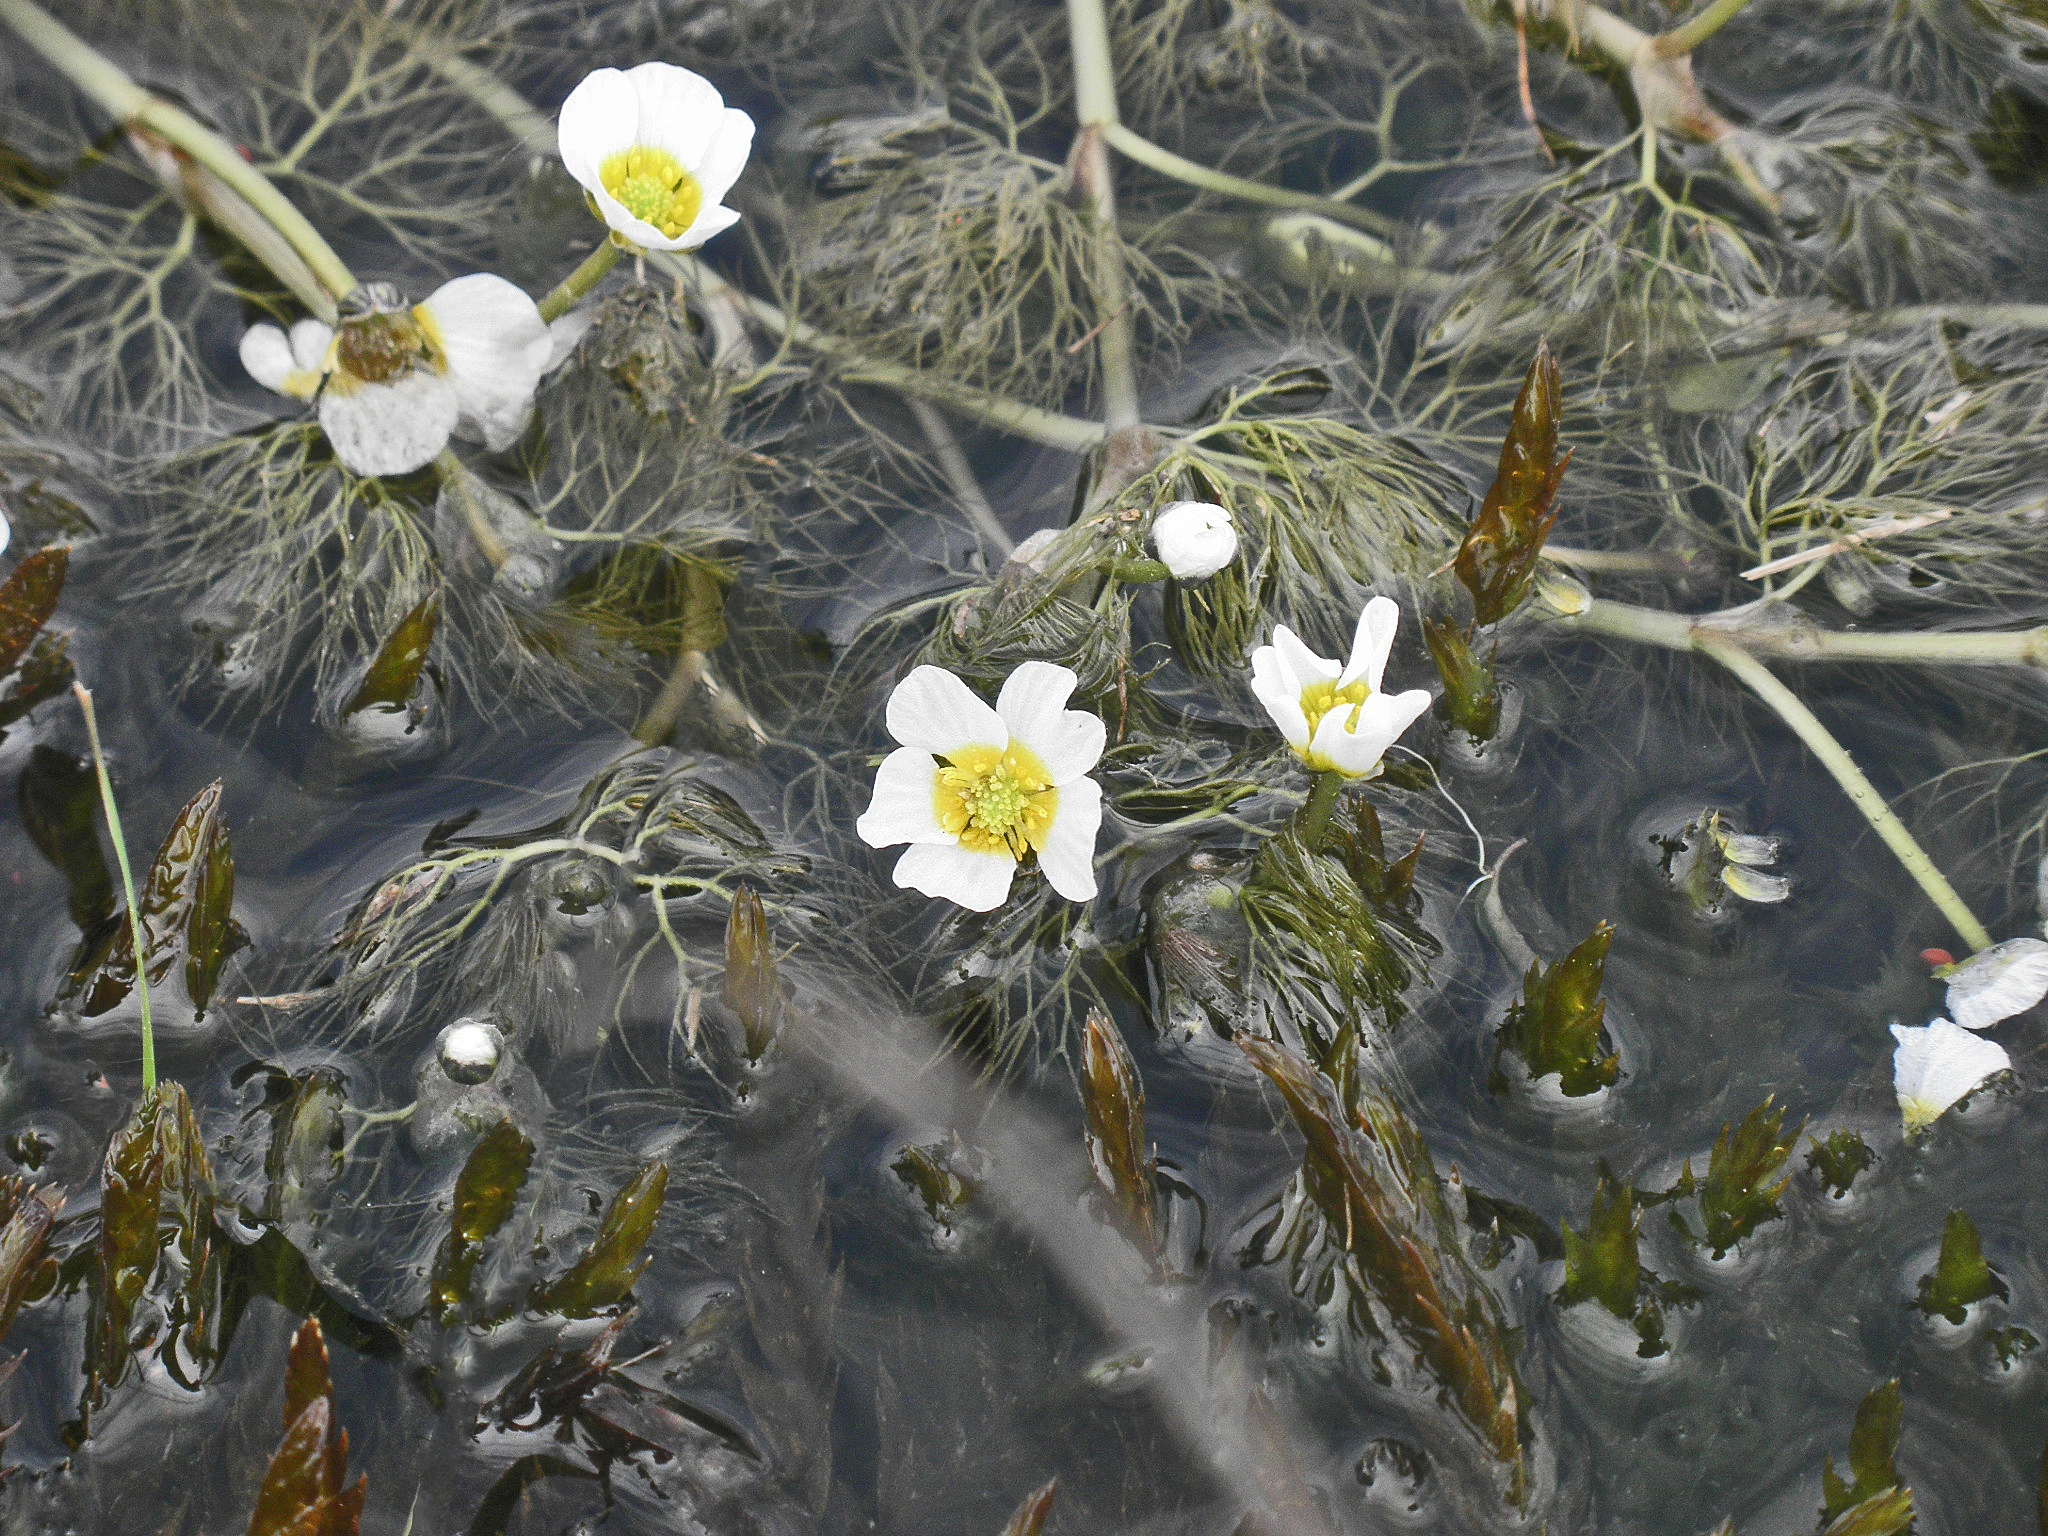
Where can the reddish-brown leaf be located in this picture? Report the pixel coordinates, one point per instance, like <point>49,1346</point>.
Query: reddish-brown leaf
<point>27,599</point>
<point>1497,560</point>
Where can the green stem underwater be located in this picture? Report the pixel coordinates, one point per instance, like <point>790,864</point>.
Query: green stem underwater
<point>1835,758</point>
<point>113,815</point>
<point>1158,158</point>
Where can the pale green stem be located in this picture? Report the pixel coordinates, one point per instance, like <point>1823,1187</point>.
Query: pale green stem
<point>514,112</point>
<point>1167,163</point>
<point>130,105</point>
<point>562,298</point>
<point>1794,639</point>
<point>1094,65</point>
<point>1836,759</point>
<point>1683,39</point>
<point>1095,105</point>
<point>690,676</point>
<point>113,815</point>
<point>1322,801</point>
<point>1013,416</point>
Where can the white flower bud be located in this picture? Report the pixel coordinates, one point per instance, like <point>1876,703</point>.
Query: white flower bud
<point>468,1051</point>
<point>1195,539</point>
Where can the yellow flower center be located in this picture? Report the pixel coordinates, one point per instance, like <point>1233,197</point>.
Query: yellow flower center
<point>1318,699</point>
<point>651,186</point>
<point>996,802</point>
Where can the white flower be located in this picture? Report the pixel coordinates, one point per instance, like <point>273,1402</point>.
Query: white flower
<point>973,790</point>
<point>395,383</point>
<point>1939,1065</point>
<point>1336,718</point>
<point>656,147</point>
<point>1195,539</point>
<point>1998,982</point>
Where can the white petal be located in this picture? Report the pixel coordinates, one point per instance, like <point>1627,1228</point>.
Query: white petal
<point>310,341</point>
<point>1068,857</point>
<point>566,333</point>
<point>6,531</point>
<point>267,355</point>
<point>902,810</point>
<point>680,111</point>
<point>715,220</point>
<point>1033,706</point>
<point>1299,664</point>
<point>1999,982</point>
<point>390,429</point>
<point>598,120</point>
<point>1937,1066</point>
<point>1274,689</point>
<point>979,882</point>
<point>1382,718</point>
<point>497,347</point>
<point>1371,643</point>
<point>722,160</point>
<point>933,710</point>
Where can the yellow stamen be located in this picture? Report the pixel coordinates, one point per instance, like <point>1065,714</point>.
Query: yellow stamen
<point>1318,699</point>
<point>650,185</point>
<point>996,801</point>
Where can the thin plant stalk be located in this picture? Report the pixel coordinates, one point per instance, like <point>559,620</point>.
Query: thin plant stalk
<point>1836,759</point>
<point>563,296</point>
<point>1096,105</point>
<point>1156,157</point>
<point>995,539</point>
<point>1685,38</point>
<point>132,106</point>
<point>113,815</point>
<point>1800,641</point>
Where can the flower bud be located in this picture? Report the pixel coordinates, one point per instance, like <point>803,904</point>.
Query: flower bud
<point>1195,539</point>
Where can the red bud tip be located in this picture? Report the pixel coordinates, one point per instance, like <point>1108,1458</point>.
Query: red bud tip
<point>1937,957</point>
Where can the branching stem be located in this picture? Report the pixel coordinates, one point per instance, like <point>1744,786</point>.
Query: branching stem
<point>1683,39</point>
<point>132,106</point>
<point>1158,158</point>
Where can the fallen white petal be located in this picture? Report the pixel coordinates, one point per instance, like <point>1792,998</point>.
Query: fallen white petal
<point>1937,1066</point>
<point>1998,982</point>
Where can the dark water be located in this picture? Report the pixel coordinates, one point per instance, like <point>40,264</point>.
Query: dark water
<point>813,1345</point>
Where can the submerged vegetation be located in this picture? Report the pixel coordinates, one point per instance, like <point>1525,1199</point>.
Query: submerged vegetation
<point>1439,599</point>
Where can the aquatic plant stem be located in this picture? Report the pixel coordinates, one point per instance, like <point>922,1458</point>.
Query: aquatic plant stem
<point>113,815</point>
<point>1836,759</point>
<point>1156,157</point>
<point>1793,638</point>
<point>595,267</point>
<point>1068,433</point>
<point>1683,39</point>
<point>454,477</point>
<point>1127,444</point>
<point>133,107</point>
<point>690,676</point>
<point>995,539</point>
<point>1316,811</point>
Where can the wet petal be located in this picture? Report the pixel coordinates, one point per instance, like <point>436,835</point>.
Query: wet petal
<point>901,810</point>
<point>1299,664</point>
<point>715,220</point>
<point>1371,643</point>
<point>723,159</point>
<point>497,347</point>
<point>390,429</point>
<point>1033,706</point>
<point>1999,982</point>
<point>979,882</point>
<point>1937,1066</point>
<point>933,710</point>
<point>1382,718</point>
<point>267,355</point>
<point>1272,687</point>
<point>1068,856</point>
